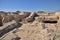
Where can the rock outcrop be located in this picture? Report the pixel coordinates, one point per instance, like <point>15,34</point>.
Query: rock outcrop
<point>35,26</point>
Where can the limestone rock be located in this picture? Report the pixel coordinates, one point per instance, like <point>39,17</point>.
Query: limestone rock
<point>35,26</point>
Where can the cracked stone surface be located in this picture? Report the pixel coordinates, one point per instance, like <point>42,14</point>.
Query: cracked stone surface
<point>45,26</point>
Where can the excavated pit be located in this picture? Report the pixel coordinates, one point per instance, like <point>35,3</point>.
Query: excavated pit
<point>50,22</point>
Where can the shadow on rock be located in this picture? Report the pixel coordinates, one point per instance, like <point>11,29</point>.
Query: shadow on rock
<point>9,28</point>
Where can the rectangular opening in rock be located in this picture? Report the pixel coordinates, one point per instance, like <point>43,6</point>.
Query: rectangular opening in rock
<point>49,21</point>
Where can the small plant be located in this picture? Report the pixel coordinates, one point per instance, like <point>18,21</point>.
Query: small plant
<point>1,21</point>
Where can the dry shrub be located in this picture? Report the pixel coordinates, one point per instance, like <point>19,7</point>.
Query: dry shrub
<point>19,18</point>
<point>1,21</point>
<point>8,18</point>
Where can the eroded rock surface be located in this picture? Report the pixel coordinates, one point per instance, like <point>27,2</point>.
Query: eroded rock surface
<point>35,26</point>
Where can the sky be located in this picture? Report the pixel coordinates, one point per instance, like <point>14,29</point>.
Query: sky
<point>30,5</point>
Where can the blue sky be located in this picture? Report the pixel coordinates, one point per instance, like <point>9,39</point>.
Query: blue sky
<point>29,5</point>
